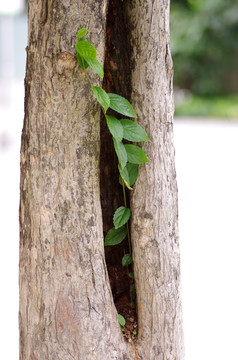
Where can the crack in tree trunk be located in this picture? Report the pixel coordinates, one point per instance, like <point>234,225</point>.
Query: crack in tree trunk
<point>66,305</point>
<point>117,79</point>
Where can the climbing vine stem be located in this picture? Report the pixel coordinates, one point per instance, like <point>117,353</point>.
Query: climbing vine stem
<point>129,155</point>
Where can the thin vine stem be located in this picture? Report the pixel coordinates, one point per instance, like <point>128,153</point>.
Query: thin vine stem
<point>127,224</point>
<point>123,182</point>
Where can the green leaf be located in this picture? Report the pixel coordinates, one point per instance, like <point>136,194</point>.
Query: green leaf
<point>96,66</point>
<point>101,97</point>
<point>131,275</point>
<point>86,50</point>
<point>129,173</point>
<point>115,127</point>
<point>125,176</point>
<point>121,320</point>
<point>133,305</point>
<point>121,216</point>
<point>115,236</point>
<point>135,155</point>
<point>82,62</point>
<point>126,260</point>
<point>121,152</point>
<point>133,131</point>
<point>121,105</point>
<point>82,32</point>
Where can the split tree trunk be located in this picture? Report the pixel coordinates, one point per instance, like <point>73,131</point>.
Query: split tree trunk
<point>66,305</point>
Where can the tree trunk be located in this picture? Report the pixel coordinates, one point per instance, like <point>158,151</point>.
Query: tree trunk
<point>154,227</point>
<point>66,304</point>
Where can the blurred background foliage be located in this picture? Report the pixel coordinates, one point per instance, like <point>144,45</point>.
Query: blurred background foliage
<point>204,45</point>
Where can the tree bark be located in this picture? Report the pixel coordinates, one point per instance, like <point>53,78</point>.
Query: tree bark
<point>66,304</point>
<point>154,226</point>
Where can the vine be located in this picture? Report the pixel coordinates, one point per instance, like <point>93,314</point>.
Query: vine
<point>129,155</point>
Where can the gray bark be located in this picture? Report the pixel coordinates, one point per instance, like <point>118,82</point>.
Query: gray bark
<point>66,306</point>
<point>154,226</point>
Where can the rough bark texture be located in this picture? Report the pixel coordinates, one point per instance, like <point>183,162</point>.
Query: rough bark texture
<point>66,306</point>
<point>154,199</point>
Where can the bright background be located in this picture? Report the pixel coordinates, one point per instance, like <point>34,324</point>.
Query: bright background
<point>207,173</point>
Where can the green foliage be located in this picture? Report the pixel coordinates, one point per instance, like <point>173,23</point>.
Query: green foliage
<point>129,155</point>
<point>126,260</point>
<point>102,97</point>
<point>86,50</point>
<point>81,33</point>
<point>121,320</point>
<point>129,174</point>
<point>216,106</point>
<point>115,236</point>
<point>135,154</point>
<point>115,127</point>
<point>204,44</point>
<point>131,275</point>
<point>121,105</point>
<point>121,216</point>
<point>133,131</point>
<point>96,66</point>
<point>121,152</point>
<point>82,62</point>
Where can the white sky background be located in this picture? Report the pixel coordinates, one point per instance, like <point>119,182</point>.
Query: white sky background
<point>8,7</point>
<point>207,172</point>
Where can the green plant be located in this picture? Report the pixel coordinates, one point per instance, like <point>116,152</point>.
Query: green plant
<point>122,322</point>
<point>129,155</point>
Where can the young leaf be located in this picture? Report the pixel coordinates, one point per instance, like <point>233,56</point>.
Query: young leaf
<point>101,97</point>
<point>115,127</point>
<point>85,49</point>
<point>135,155</point>
<point>126,260</point>
<point>82,62</point>
<point>129,173</point>
<point>131,275</point>
<point>96,66</point>
<point>115,236</point>
<point>121,105</point>
<point>121,216</point>
<point>121,320</point>
<point>82,32</point>
<point>121,152</point>
<point>133,131</point>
